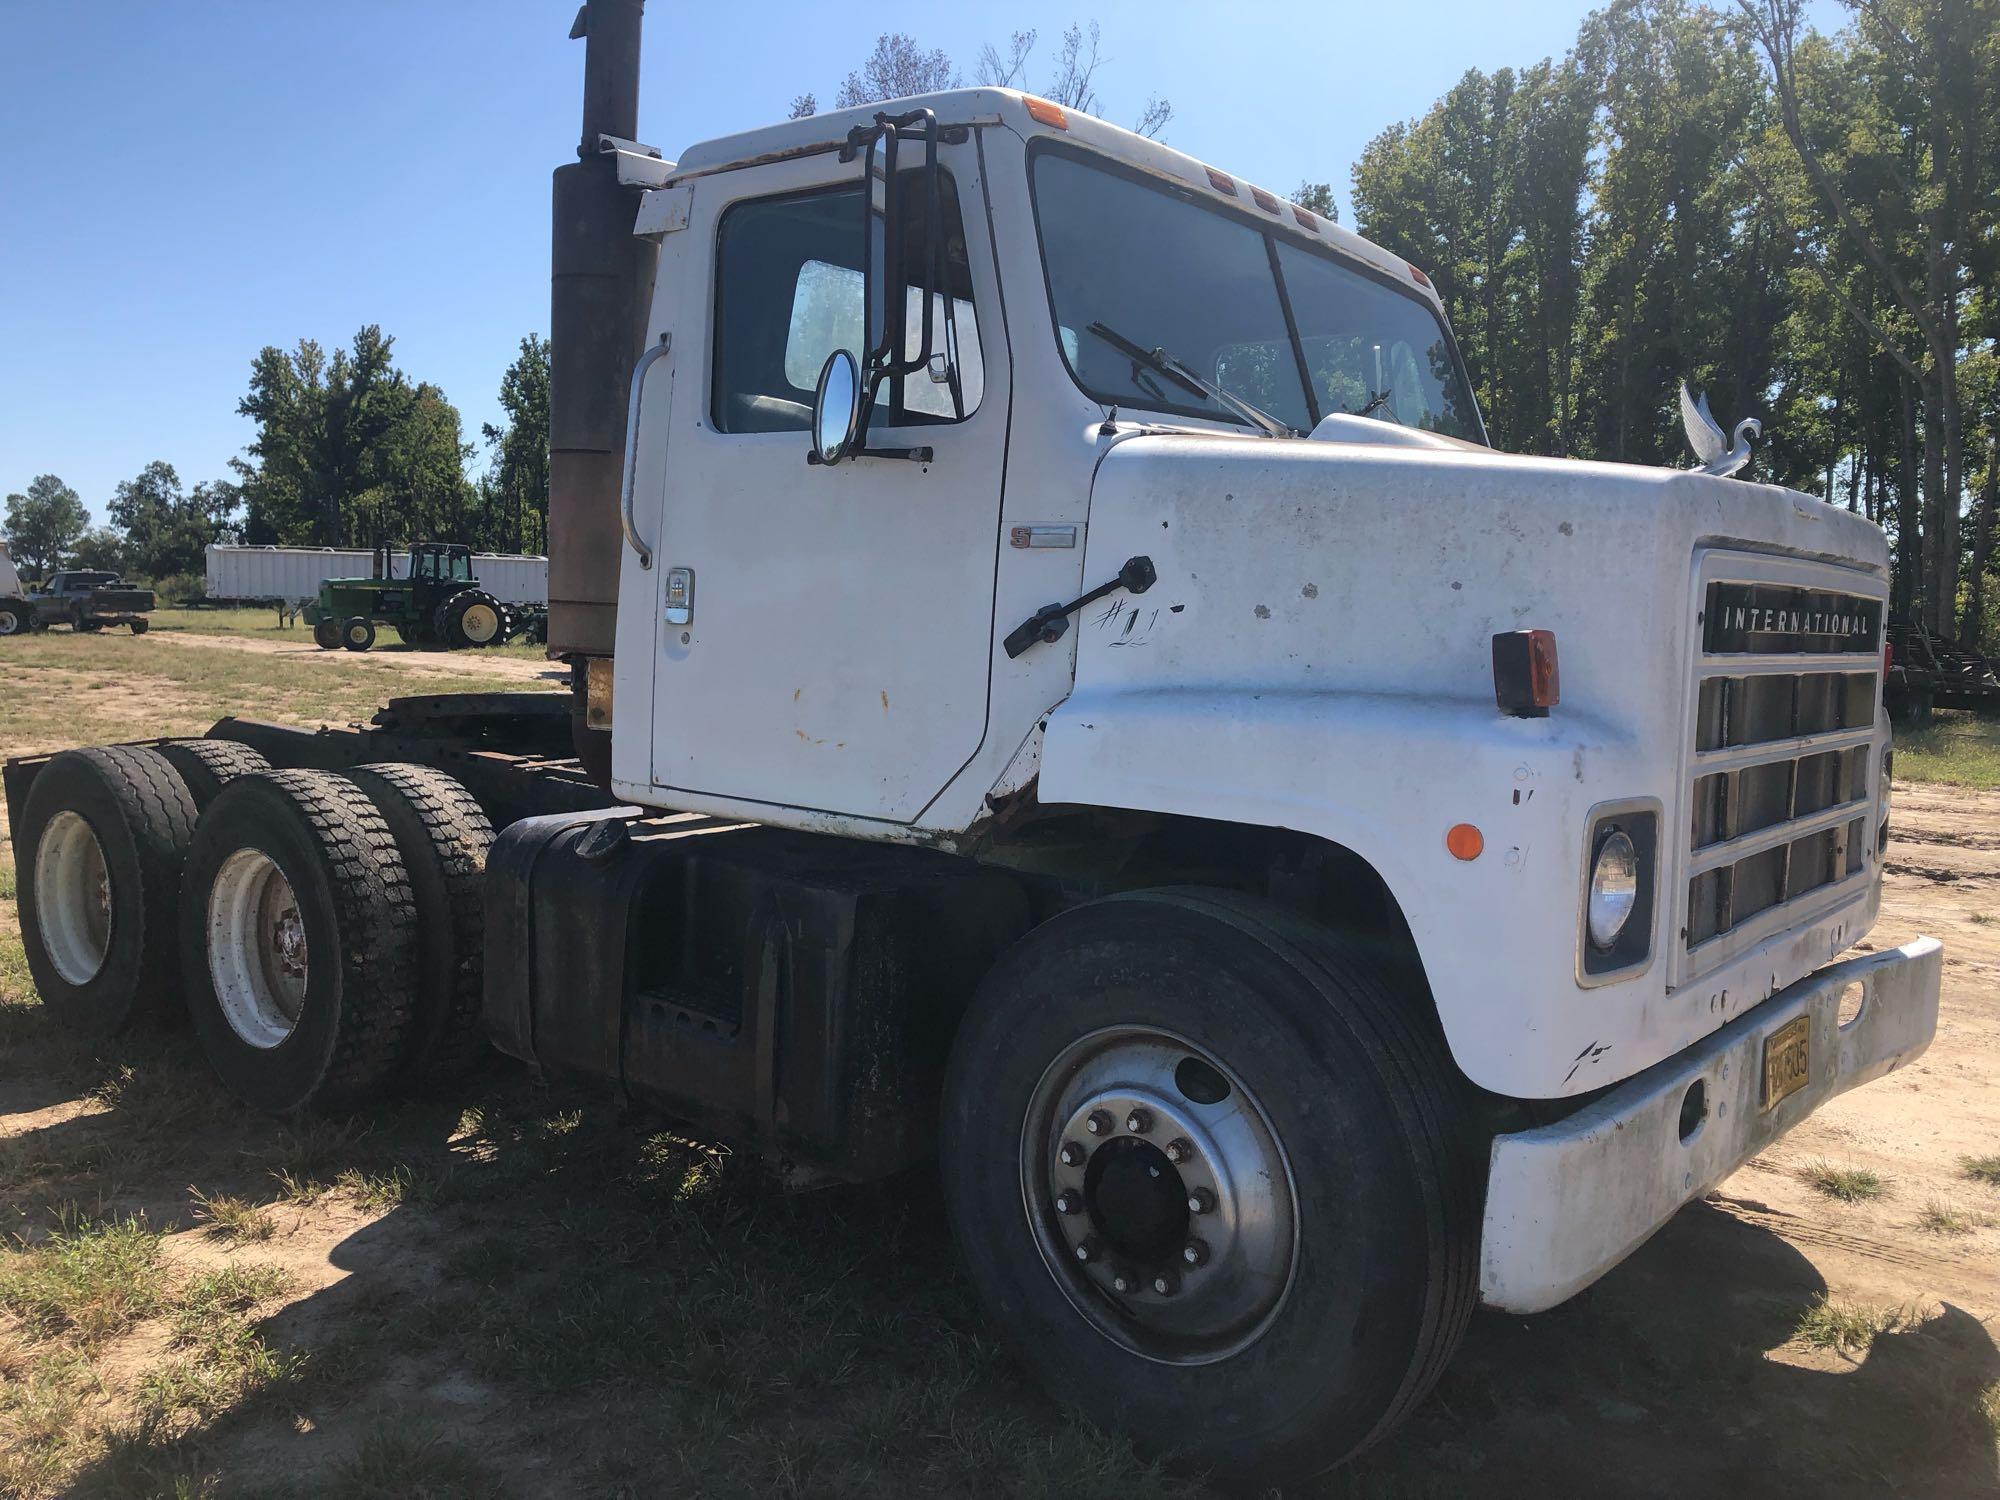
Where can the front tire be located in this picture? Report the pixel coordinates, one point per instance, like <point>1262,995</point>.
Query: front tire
<point>326,635</point>
<point>358,634</point>
<point>1211,1179</point>
<point>99,854</point>
<point>298,942</point>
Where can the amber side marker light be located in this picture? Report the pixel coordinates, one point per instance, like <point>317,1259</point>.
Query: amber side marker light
<point>1464,841</point>
<point>1047,112</point>
<point>1419,277</point>
<point>1526,681</point>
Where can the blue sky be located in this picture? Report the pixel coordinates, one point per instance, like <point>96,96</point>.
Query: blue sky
<point>182,183</point>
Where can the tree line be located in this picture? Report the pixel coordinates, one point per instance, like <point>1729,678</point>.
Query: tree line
<point>1804,226</point>
<point>348,451</point>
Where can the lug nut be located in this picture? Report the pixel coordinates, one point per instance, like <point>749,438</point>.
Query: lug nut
<point>1072,1154</point>
<point>1099,1123</point>
<point>1166,1283</point>
<point>1139,1121</point>
<point>1123,1280</point>
<point>1087,1249</point>
<point>1201,1200</point>
<point>1068,1201</point>
<point>1195,1253</point>
<point>1179,1150</point>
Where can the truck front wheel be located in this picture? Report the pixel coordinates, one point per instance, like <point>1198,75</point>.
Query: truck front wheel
<point>1209,1174</point>
<point>298,941</point>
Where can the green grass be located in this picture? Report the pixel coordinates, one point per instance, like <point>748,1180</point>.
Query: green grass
<point>1848,1184</point>
<point>90,1281</point>
<point>1960,749</point>
<point>1941,1216</point>
<point>1984,1169</point>
<point>1844,1328</point>
<point>232,1219</point>
<point>258,623</point>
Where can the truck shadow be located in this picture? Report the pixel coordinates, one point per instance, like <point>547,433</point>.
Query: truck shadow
<point>565,1298</point>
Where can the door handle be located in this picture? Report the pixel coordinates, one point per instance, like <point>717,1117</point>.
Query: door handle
<point>629,483</point>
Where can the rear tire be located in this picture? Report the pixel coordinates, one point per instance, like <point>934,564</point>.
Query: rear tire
<point>444,837</point>
<point>140,627</point>
<point>15,617</point>
<point>358,634</point>
<point>207,765</point>
<point>299,942</point>
<point>326,635</point>
<point>473,618</point>
<point>99,855</point>
<point>1331,1090</point>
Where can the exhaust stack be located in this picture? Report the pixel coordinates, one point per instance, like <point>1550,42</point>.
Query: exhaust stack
<point>601,281</point>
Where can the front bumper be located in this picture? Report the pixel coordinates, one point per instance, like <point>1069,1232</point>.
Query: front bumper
<point>1566,1202</point>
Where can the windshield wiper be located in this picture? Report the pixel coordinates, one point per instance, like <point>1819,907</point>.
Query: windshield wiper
<point>1379,401</point>
<point>1174,370</point>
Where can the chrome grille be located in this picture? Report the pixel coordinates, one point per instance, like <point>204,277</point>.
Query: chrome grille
<point>1786,686</point>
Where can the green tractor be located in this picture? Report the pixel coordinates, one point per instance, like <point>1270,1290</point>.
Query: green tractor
<point>437,602</point>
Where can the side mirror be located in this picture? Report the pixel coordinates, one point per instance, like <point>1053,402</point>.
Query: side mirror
<point>836,408</point>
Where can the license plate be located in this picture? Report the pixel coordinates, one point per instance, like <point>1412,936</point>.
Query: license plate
<point>1787,1060</point>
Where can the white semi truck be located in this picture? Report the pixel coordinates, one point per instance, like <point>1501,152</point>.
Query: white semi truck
<point>1062,686</point>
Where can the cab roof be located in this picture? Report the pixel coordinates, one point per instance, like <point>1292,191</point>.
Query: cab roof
<point>1012,109</point>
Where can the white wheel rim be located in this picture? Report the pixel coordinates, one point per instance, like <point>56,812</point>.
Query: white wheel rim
<point>73,897</point>
<point>9,622</point>
<point>257,955</point>
<point>480,623</point>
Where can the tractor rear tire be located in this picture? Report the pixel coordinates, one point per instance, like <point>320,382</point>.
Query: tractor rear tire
<point>472,618</point>
<point>326,635</point>
<point>208,765</point>
<point>444,837</point>
<point>358,634</point>
<point>299,942</point>
<point>100,850</point>
<point>1258,1251</point>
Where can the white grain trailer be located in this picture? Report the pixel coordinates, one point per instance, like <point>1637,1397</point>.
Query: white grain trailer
<point>292,575</point>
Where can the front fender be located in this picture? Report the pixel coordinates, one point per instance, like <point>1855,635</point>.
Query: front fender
<point>1385,776</point>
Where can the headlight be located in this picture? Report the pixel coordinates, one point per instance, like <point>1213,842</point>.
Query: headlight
<point>1614,889</point>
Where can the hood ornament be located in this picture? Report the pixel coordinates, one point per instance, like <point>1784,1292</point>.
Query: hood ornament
<point>1710,446</point>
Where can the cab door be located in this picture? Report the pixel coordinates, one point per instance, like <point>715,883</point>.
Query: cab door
<point>832,651</point>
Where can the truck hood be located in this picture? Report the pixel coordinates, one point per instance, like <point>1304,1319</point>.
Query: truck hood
<point>1382,559</point>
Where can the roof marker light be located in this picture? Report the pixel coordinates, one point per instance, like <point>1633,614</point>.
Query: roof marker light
<point>1263,200</point>
<point>1046,111</point>
<point>1306,220</point>
<point>1220,182</point>
<point>1419,277</point>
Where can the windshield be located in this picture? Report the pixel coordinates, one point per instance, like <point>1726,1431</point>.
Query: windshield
<point>1294,331</point>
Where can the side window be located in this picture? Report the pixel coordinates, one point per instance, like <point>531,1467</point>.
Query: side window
<point>788,293</point>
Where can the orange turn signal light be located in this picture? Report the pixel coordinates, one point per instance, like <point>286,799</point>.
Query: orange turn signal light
<point>1526,680</point>
<point>1047,112</point>
<point>1464,841</point>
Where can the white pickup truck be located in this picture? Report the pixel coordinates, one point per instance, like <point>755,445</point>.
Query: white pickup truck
<point>1088,705</point>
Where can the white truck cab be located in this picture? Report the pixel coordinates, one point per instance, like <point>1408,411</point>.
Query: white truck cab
<point>824,645</point>
<point>1085,705</point>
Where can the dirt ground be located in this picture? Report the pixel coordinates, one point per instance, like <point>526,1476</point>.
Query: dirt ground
<point>510,1291</point>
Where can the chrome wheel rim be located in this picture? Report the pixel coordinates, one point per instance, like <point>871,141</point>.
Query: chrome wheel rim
<point>257,950</point>
<point>1159,1195</point>
<point>73,897</point>
<point>481,622</point>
